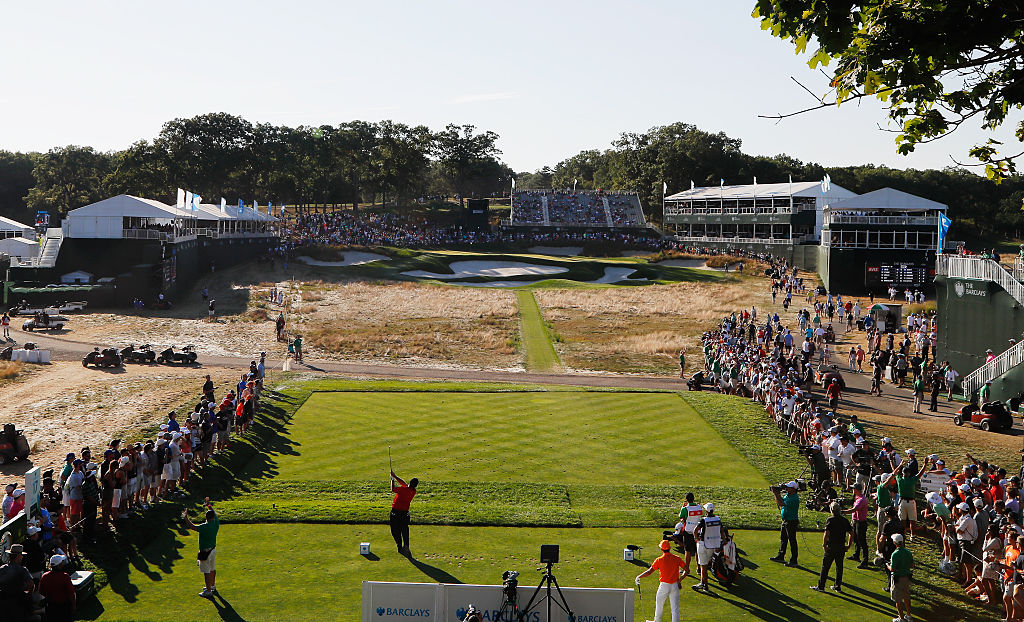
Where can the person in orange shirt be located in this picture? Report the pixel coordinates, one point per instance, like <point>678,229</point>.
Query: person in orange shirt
<point>668,567</point>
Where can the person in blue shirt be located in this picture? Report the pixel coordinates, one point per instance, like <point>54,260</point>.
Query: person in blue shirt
<point>172,422</point>
<point>789,509</point>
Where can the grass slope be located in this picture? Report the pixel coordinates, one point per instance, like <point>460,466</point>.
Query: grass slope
<point>314,572</point>
<point>540,352</point>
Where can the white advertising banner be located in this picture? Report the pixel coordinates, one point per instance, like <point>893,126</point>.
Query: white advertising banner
<point>391,602</point>
<point>411,601</point>
<point>931,482</point>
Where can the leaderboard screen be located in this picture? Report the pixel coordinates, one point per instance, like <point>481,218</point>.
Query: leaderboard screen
<point>899,273</point>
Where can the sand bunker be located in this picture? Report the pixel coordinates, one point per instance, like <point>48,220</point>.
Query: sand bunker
<point>556,251</point>
<point>352,258</point>
<point>697,264</point>
<point>611,275</point>
<point>468,269</point>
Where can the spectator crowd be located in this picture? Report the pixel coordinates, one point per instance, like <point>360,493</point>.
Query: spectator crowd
<point>96,492</point>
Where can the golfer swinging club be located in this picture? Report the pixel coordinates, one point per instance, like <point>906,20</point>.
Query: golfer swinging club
<point>399,519</point>
<point>207,547</point>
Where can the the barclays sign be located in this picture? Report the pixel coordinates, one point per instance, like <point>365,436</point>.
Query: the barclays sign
<point>403,612</point>
<point>968,288</point>
<point>493,615</point>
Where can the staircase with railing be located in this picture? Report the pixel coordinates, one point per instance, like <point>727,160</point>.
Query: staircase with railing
<point>978,269</point>
<point>1004,362</point>
<point>50,248</point>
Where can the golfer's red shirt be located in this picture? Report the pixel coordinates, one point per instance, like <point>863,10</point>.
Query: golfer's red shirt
<point>403,497</point>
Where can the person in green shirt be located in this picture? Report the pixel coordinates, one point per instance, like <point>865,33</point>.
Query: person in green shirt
<point>789,509</point>
<point>682,362</point>
<point>918,392</point>
<point>207,547</point>
<point>856,425</point>
<point>298,348</point>
<point>985,391</point>
<point>899,565</point>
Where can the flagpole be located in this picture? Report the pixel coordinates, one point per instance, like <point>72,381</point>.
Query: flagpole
<point>939,242</point>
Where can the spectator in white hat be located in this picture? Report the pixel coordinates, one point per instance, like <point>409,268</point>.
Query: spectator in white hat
<point>709,535</point>
<point>56,587</point>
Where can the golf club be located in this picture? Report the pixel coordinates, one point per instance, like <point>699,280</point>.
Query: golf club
<point>391,469</point>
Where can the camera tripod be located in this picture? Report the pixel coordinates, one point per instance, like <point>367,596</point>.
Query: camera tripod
<point>509,611</point>
<point>546,581</point>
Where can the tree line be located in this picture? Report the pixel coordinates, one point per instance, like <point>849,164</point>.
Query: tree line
<point>221,155</point>
<point>358,162</point>
<point>680,153</point>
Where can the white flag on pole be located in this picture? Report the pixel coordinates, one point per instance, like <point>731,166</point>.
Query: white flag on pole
<point>691,184</point>
<point>188,200</point>
<point>181,199</point>
<point>664,187</point>
<point>223,205</point>
<point>513,183</point>
<point>196,200</point>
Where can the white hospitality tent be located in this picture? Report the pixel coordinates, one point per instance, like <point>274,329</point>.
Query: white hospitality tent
<point>20,247</point>
<point>14,229</point>
<point>126,216</point>
<point>888,200</point>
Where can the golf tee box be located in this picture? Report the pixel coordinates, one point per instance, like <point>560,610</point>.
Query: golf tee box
<point>628,555</point>
<point>364,548</point>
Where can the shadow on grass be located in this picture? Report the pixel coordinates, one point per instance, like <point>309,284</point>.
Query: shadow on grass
<point>149,545</point>
<point>225,610</point>
<point>435,573</point>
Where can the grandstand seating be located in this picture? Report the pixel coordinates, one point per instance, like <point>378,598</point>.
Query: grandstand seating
<point>576,209</point>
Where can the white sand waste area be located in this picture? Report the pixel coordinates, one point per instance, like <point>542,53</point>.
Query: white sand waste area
<point>352,258</point>
<point>611,275</point>
<point>467,269</point>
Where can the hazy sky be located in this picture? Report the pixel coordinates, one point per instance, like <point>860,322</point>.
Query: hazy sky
<point>552,78</point>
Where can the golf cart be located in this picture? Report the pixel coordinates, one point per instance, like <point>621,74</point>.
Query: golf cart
<point>44,321</point>
<point>108,357</point>
<point>144,354</point>
<point>990,417</point>
<point>13,444</point>
<point>186,356</point>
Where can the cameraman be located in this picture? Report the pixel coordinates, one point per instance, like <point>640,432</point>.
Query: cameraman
<point>789,508</point>
<point>819,466</point>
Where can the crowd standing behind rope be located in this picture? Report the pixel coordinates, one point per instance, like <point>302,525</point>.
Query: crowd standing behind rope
<point>95,493</point>
<point>977,514</point>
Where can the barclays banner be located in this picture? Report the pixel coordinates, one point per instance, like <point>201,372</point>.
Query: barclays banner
<point>443,602</point>
<point>969,289</point>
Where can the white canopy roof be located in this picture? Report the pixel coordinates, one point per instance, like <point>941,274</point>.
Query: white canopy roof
<point>763,191</point>
<point>887,199</point>
<point>131,206</point>
<point>6,224</point>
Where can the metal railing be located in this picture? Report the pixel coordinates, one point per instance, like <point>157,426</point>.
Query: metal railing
<point>881,220</point>
<point>738,240</point>
<point>978,269</point>
<point>991,370</point>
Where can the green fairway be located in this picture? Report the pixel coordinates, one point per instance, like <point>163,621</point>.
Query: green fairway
<point>540,352</point>
<point>601,438</point>
<point>310,572</point>
<point>503,470</point>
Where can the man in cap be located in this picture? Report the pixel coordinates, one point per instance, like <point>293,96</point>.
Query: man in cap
<point>668,566</point>
<point>899,565</point>
<point>966,530</point>
<point>207,547</point>
<point>91,501</point>
<point>708,534</point>
<point>399,517</point>
<point>789,509</point>
<point>907,478</point>
<point>34,559</point>
<point>985,391</point>
<point>56,587</point>
<point>8,501</point>
<point>835,541</point>
<point>15,586</point>
<point>73,488</point>
<point>690,515</point>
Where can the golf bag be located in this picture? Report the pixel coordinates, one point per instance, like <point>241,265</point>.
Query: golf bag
<point>726,564</point>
